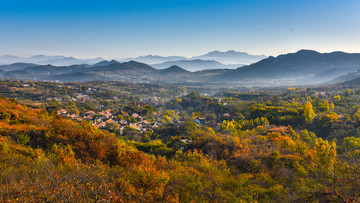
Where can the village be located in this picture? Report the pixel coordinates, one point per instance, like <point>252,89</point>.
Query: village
<point>106,117</point>
<point>134,121</point>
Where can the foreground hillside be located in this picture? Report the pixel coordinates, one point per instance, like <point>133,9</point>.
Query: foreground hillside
<point>48,158</point>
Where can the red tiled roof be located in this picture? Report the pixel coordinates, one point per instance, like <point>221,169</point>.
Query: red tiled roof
<point>134,115</point>
<point>101,124</point>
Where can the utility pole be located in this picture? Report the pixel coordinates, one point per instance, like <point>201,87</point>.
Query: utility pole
<point>104,76</point>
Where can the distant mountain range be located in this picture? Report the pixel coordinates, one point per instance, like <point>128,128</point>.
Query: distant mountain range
<point>196,65</point>
<point>231,57</point>
<point>211,60</point>
<point>45,60</point>
<point>302,67</point>
<point>154,59</point>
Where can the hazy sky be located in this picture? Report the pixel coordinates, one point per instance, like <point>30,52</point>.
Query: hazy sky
<point>119,28</point>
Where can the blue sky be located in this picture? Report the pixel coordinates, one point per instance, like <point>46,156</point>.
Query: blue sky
<point>117,28</point>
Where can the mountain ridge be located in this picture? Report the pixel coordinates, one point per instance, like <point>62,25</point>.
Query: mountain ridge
<point>41,59</point>
<point>301,67</point>
<point>230,58</point>
<point>304,63</point>
<point>196,64</point>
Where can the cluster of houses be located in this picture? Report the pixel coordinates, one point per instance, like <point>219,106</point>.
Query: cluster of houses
<point>136,121</point>
<point>101,119</point>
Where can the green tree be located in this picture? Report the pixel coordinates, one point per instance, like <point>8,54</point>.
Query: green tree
<point>23,138</point>
<point>194,95</point>
<point>146,137</point>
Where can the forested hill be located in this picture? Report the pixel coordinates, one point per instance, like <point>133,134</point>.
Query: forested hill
<point>45,157</point>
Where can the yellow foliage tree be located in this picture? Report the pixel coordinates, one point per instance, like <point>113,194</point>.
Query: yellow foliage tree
<point>309,113</point>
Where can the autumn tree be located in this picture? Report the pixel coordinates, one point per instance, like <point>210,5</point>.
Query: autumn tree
<point>309,113</point>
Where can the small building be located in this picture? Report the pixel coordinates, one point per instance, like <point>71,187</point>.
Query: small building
<point>89,112</point>
<point>110,121</point>
<point>62,111</point>
<point>108,115</point>
<point>227,115</point>
<point>101,125</point>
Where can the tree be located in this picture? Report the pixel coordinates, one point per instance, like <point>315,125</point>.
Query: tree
<point>325,107</point>
<point>194,95</point>
<point>23,138</point>
<point>309,113</point>
<point>332,106</point>
<point>349,92</point>
<point>276,100</point>
<point>356,116</point>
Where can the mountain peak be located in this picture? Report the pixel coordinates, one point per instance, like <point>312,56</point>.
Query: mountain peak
<point>307,51</point>
<point>39,55</point>
<point>154,59</point>
<point>174,66</point>
<point>228,53</point>
<point>174,69</point>
<point>135,64</point>
<point>177,68</point>
<point>10,57</point>
<point>106,63</point>
<point>231,57</point>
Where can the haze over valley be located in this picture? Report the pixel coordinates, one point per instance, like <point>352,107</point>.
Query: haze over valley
<point>305,67</point>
